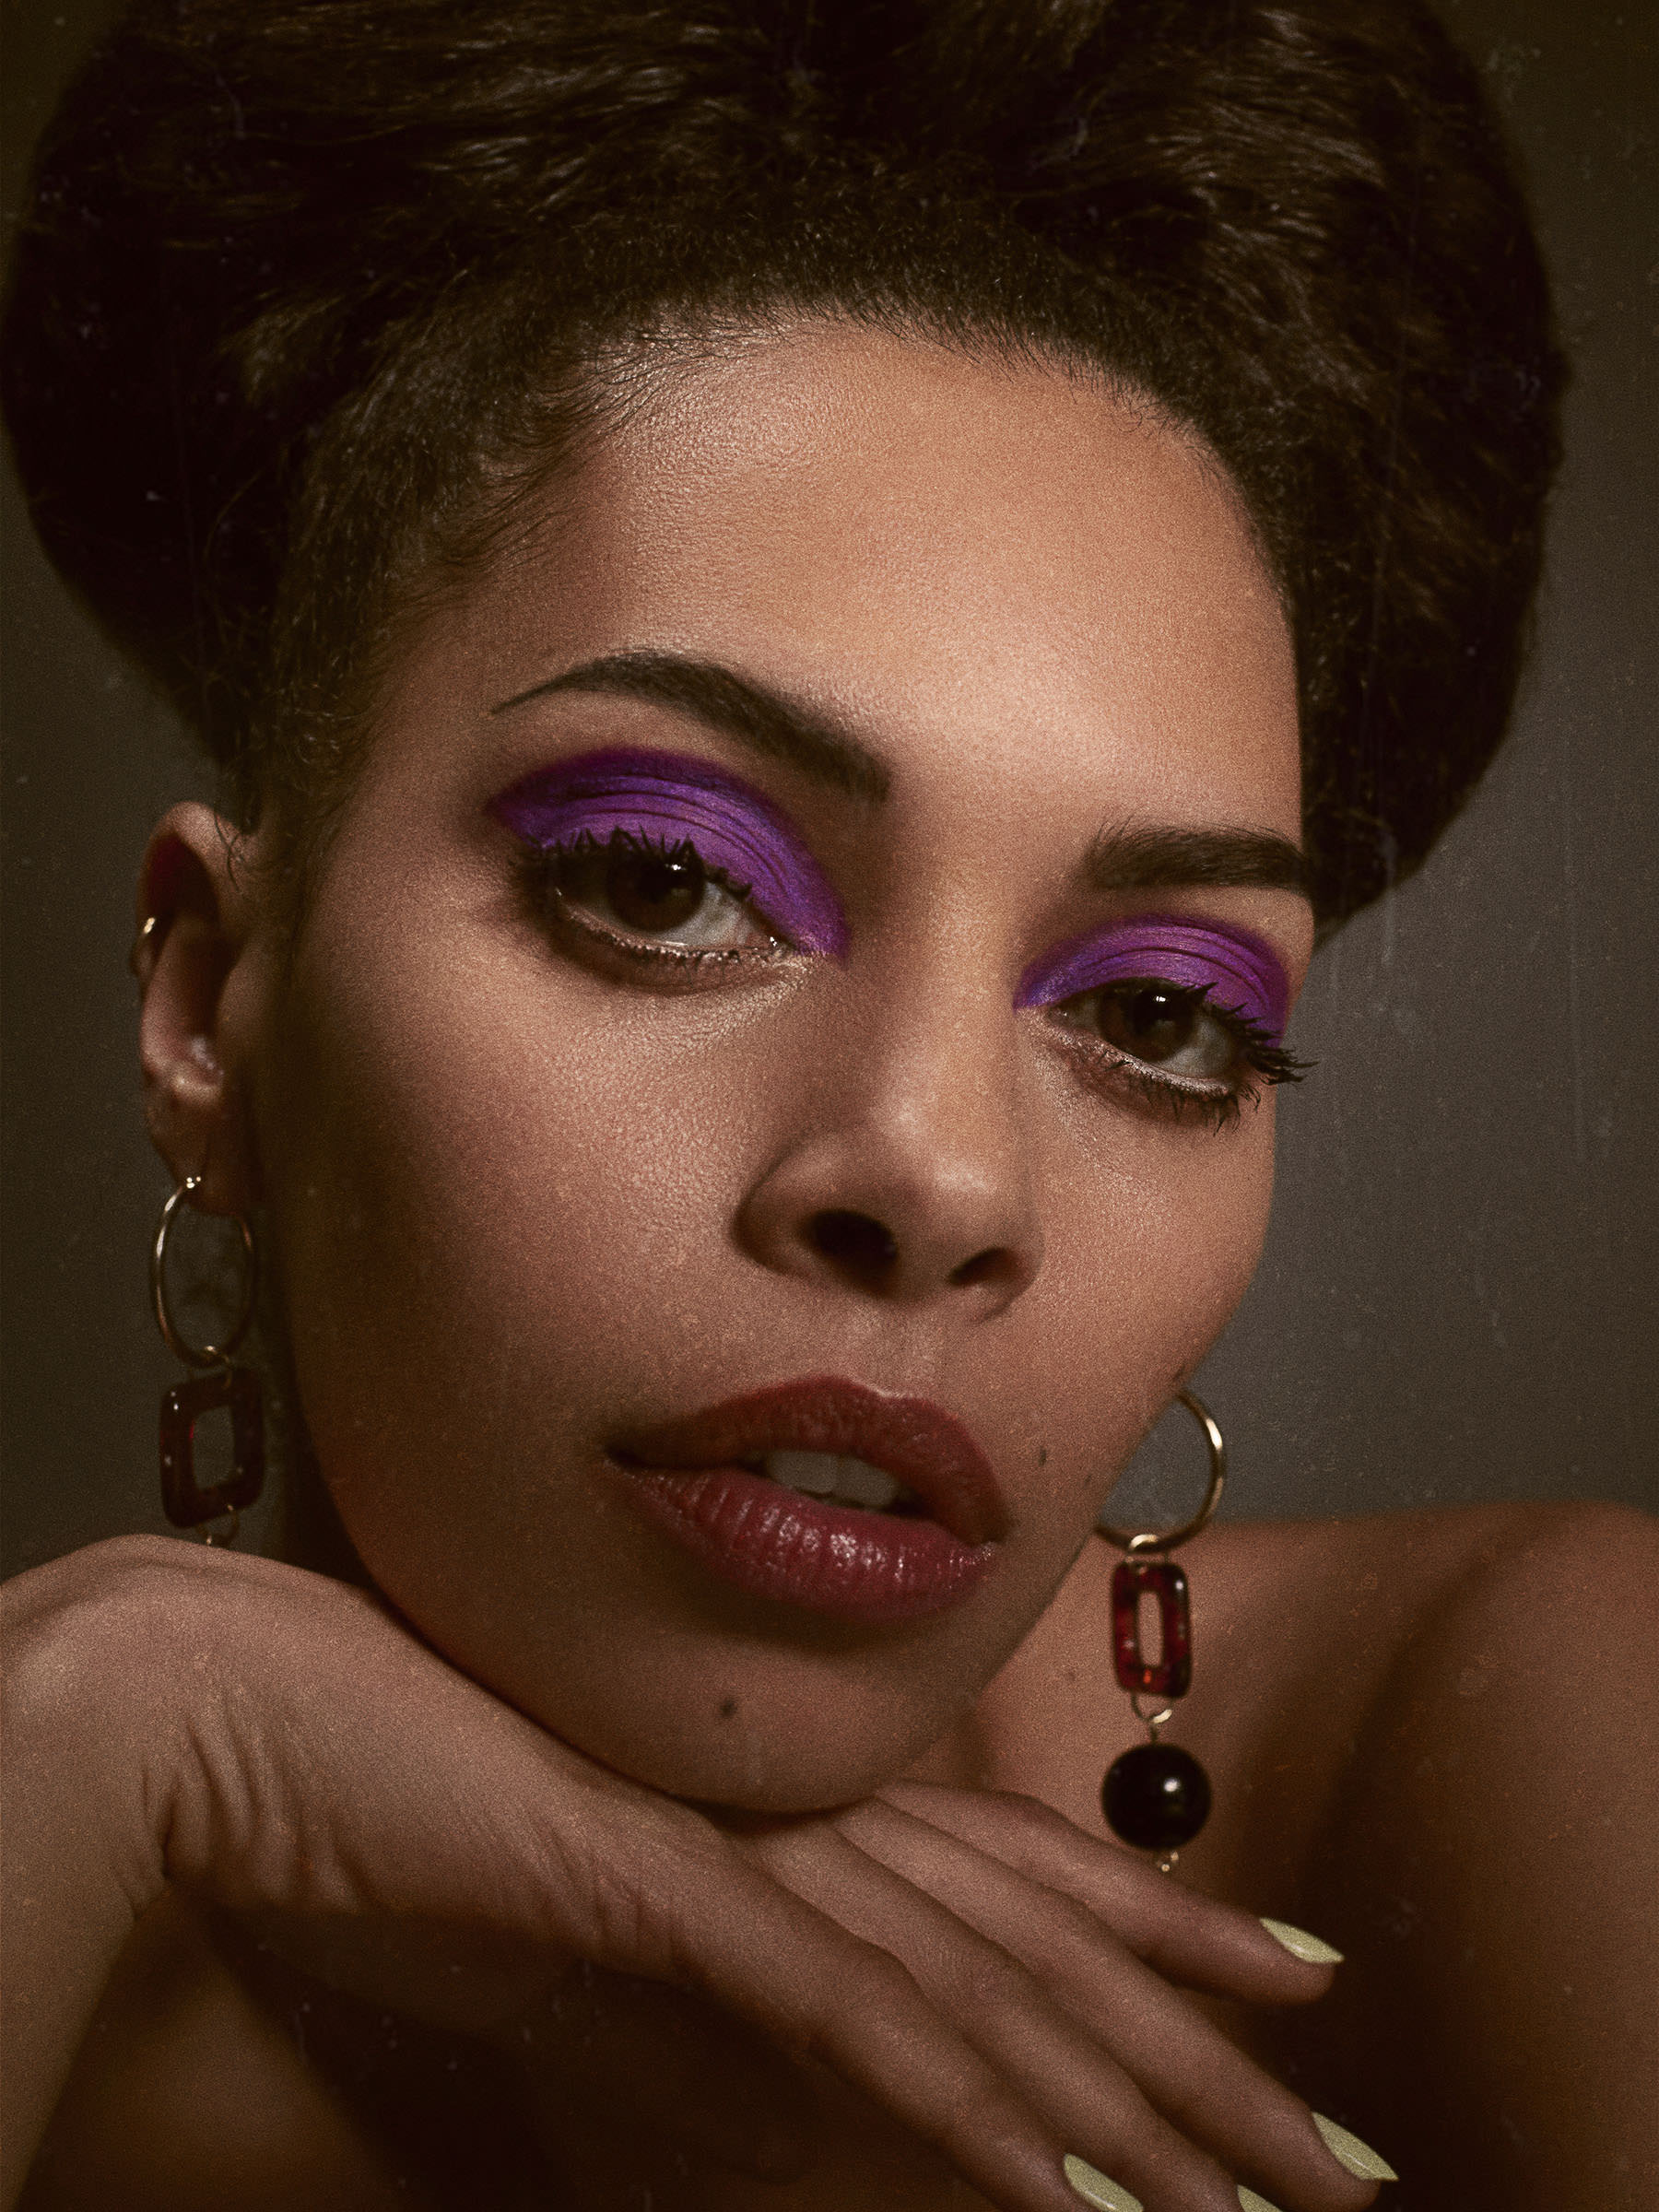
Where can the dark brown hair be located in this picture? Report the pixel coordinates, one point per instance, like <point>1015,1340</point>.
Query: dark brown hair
<point>307,288</point>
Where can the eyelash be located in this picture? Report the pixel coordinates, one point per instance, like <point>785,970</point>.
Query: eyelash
<point>684,963</point>
<point>1181,1100</point>
<point>1267,1062</point>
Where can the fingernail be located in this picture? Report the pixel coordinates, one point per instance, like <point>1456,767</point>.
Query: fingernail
<point>1094,2188</point>
<point>1252,2202</point>
<point>1311,1950</point>
<point>1348,2150</point>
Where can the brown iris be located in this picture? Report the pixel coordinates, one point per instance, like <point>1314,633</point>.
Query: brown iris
<point>654,891</point>
<point>1155,1022</point>
<point>645,887</point>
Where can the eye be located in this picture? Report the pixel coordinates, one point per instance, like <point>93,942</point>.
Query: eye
<point>1163,1027</point>
<point>632,888</point>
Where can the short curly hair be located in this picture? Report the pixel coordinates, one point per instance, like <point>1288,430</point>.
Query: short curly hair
<point>307,289</point>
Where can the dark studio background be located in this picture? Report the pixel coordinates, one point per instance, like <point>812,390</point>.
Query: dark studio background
<point>1458,1301</point>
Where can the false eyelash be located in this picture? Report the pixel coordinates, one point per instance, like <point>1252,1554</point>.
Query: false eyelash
<point>538,877</point>
<point>1266,1061</point>
<point>584,845</point>
<point>1271,1062</point>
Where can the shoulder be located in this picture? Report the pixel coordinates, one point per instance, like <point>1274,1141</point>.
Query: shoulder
<point>1362,1603</point>
<point>1530,1612</point>
<point>1492,1858</point>
<point>1523,1702</point>
<point>1345,1661</point>
<point>1475,1631</point>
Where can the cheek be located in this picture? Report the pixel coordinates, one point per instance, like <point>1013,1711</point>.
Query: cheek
<point>1152,1240</point>
<point>497,1223</point>
<point>480,1192</point>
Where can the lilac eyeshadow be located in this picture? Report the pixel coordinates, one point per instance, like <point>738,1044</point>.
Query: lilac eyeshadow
<point>668,799</point>
<point>1241,974</point>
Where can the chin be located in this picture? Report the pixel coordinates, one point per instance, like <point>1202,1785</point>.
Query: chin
<point>758,1768</point>
<point>755,1727</point>
<point>635,1653</point>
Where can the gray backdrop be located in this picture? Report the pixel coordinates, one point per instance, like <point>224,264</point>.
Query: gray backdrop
<point>1458,1301</point>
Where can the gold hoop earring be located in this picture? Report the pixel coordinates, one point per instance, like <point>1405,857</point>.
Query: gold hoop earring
<point>1157,1796</point>
<point>185,1503</point>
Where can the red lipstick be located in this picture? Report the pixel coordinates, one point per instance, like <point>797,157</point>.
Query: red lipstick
<point>697,1478</point>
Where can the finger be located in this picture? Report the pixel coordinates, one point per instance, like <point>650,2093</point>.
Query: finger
<point>819,1989</point>
<point>1032,2041</point>
<point>1194,2075</point>
<point>1188,1938</point>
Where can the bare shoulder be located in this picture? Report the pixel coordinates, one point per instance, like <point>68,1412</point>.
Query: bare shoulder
<point>1551,1601</point>
<point>1357,1607</point>
<point>1490,1618</point>
<point>1490,1859</point>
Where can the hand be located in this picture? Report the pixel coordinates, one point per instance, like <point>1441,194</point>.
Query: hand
<point>986,1974</point>
<point>632,2076</point>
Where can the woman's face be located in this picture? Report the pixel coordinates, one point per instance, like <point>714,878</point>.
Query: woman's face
<point>808,918</point>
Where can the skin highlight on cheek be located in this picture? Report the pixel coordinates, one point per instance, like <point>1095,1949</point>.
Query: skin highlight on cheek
<point>668,800</point>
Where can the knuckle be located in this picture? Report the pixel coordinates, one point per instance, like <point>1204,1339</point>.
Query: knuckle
<point>1074,1936</point>
<point>984,1981</point>
<point>622,1932</point>
<point>1036,1821</point>
<point>872,1991</point>
<point>882,1980</point>
<point>640,1908</point>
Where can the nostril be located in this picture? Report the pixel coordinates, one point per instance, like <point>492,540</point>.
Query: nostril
<point>854,1243</point>
<point>987,1266</point>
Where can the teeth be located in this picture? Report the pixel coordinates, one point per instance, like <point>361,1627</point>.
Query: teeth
<point>814,1472</point>
<point>865,1485</point>
<point>833,1475</point>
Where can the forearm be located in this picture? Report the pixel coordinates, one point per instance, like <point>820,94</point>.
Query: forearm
<point>79,1854</point>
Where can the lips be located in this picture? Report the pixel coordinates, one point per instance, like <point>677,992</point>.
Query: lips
<point>698,1479</point>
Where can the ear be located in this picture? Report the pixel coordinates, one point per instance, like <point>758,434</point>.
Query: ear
<point>196,912</point>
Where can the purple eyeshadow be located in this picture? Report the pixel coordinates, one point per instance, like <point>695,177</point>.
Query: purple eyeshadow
<point>1241,974</point>
<point>669,799</point>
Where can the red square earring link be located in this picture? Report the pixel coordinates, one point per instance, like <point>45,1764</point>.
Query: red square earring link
<point>1157,1796</point>
<point>186,1503</point>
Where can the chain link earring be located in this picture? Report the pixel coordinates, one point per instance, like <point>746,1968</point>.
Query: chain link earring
<point>1157,1796</point>
<point>185,1503</point>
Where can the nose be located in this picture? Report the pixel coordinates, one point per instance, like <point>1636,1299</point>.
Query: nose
<point>909,1177</point>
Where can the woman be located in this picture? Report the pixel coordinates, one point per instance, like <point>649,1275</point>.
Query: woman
<point>804,621</point>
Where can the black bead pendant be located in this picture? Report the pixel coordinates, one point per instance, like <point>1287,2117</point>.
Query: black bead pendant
<point>1157,1796</point>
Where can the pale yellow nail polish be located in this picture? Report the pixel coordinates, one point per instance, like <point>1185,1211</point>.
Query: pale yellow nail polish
<point>1094,2188</point>
<point>1251,2202</point>
<point>1312,1950</point>
<point>1348,2150</point>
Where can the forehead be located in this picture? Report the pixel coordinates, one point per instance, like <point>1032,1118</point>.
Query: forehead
<point>931,546</point>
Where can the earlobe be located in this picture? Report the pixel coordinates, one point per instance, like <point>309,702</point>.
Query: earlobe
<point>195,921</point>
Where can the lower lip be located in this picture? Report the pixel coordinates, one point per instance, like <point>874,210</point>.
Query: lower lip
<point>835,1560</point>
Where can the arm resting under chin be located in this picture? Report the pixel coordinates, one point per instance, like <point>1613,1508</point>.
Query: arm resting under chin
<point>84,1791</point>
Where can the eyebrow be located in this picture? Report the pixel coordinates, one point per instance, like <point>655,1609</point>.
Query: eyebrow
<point>1135,858</point>
<point>1130,858</point>
<point>763,719</point>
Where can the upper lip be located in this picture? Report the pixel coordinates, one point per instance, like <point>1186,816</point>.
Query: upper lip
<point>916,1441</point>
